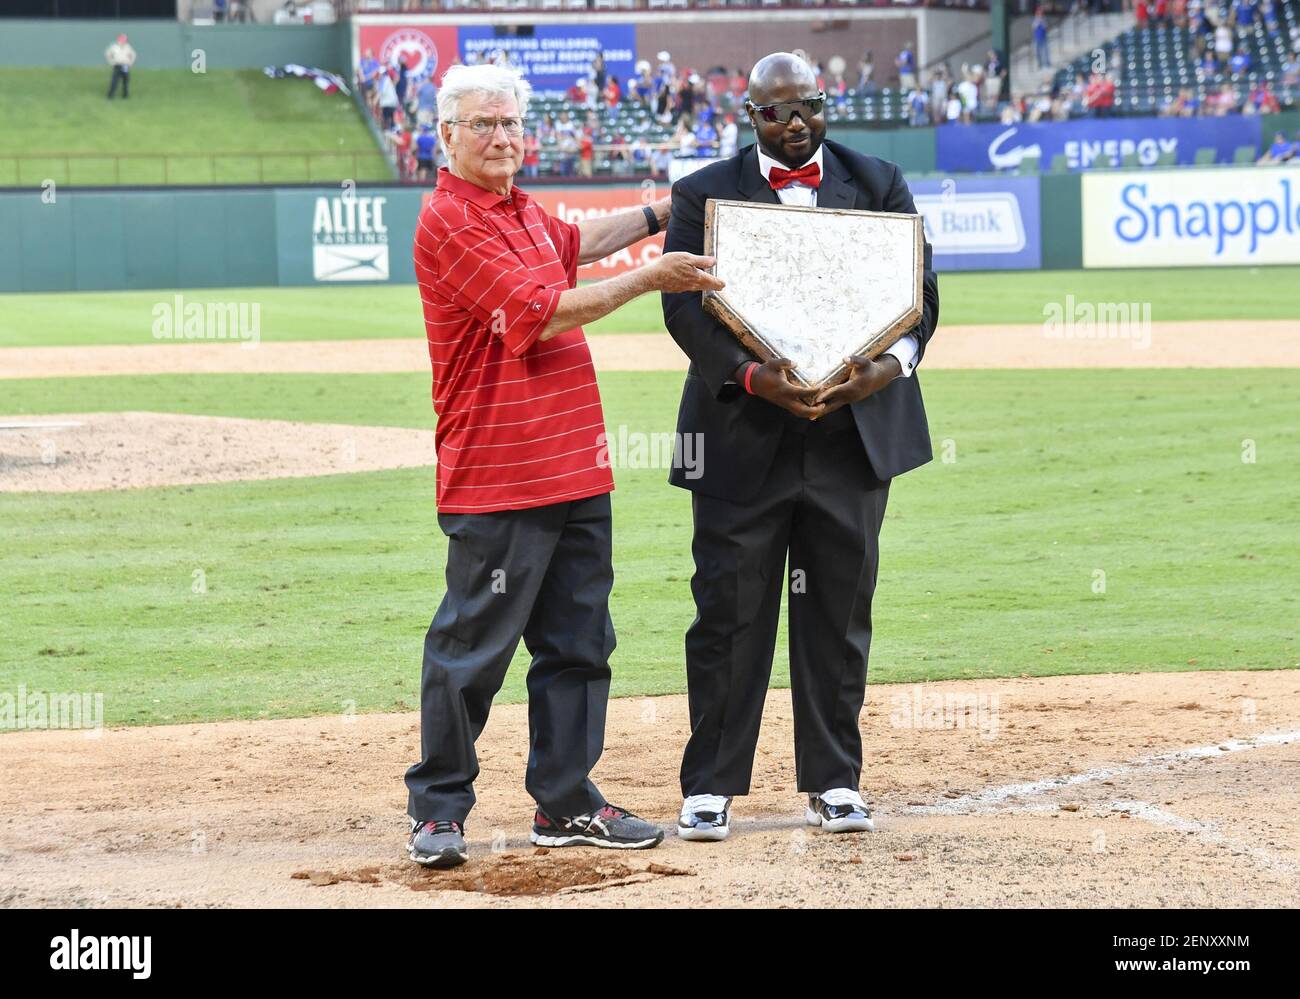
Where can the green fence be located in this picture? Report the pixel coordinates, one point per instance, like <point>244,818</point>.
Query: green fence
<point>170,44</point>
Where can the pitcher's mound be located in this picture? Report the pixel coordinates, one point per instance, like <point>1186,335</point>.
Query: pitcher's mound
<point>94,451</point>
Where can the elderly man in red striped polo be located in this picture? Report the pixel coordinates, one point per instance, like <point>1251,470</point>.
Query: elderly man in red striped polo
<point>523,492</point>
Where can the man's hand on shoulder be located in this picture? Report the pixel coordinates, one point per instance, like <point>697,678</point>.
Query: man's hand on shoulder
<point>866,377</point>
<point>771,380</point>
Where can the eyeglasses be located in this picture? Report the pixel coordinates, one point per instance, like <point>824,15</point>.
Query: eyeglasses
<point>488,126</point>
<point>784,111</point>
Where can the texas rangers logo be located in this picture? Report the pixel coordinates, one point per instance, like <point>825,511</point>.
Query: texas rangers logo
<point>415,47</point>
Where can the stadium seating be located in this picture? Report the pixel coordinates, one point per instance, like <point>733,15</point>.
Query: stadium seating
<point>1156,62</point>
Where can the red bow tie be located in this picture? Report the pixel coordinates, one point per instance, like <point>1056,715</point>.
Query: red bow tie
<point>809,173</point>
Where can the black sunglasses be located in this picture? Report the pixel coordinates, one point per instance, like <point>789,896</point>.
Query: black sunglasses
<point>784,111</point>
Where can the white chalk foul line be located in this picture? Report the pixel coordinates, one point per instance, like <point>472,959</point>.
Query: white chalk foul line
<point>1204,831</point>
<point>994,796</point>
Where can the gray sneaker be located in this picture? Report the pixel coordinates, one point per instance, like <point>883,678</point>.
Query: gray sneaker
<point>437,844</point>
<point>610,827</point>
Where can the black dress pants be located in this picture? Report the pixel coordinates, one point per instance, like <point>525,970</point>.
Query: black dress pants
<point>545,575</point>
<point>822,507</point>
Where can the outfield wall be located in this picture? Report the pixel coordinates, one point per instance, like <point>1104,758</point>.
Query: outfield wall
<point>170,44</point>
<point>161,238</point>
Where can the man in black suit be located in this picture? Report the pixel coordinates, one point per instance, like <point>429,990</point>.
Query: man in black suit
<point>789,471</point>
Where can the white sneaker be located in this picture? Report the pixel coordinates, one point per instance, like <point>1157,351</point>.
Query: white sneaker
<point>840,809</point>
<point>705,817</point>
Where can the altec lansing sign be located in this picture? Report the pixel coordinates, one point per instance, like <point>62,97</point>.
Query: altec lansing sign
<point>349,238</point>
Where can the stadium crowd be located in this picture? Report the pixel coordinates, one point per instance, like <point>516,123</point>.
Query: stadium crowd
<point>606,125</point>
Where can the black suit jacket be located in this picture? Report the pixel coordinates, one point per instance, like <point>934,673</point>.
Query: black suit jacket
<point>741,432</point>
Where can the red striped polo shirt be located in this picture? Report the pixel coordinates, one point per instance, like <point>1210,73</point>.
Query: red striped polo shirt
<point>519,420</point>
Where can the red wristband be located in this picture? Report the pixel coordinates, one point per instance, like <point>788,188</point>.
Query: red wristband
<point>749,373</point>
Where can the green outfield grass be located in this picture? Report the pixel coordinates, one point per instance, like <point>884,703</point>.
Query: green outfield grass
<point>344,313</point>
<point>319,590</point>
<point>63,111</point>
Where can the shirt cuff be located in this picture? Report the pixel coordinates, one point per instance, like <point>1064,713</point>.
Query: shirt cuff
<point>905,348</point>
<point>521,334</point>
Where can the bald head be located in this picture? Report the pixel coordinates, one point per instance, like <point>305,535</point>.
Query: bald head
<point>792,133</point>
<point>778,73</point>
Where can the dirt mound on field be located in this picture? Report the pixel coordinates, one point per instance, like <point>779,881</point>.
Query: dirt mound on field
<point>95,451</point>
<point>1161,789</point>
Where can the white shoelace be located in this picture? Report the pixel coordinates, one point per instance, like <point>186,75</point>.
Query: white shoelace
<point>844,796</point>
<point>715,803</point>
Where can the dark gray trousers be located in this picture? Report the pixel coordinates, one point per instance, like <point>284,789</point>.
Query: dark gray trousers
<point>822,505</point>
<point>544,575</point>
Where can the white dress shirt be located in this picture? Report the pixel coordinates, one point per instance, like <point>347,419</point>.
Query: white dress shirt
<point>905,348</point>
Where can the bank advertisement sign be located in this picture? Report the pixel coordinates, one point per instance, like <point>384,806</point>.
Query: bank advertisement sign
<point>1192,218</point>
<point>1087,143</point>
<point>981,223</point>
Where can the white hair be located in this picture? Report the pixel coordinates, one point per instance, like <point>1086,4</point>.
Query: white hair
<point>485,78</point>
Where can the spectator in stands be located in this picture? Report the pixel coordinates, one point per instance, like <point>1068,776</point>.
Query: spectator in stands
<point>401,83</point>
<point>706,137</point>
<point>1261,99</point>
<point>1223,42</point>
<point>968,91</point>
<point>1222,103</point>
<point>1042,53</point>
<point>426,144</point>
<point>388,97</point>
<point>906,65</point>
<point>641,90</point>
<point>685,106</point>
<point>598,73</point>
<point>368,73</point>
<point>666,70</point>
<point>866,70</point>
<point>918,108</point>
<point>399,143</point>
<point>664,102</point>
<point>613,94</point>
<point>427,103</point>
<point>939,84</point>
<point>1162,13</point>
<point>1291,71</point>
<point>219,11</point>
<point>684,137</point>
<point>532,155</point>
<point>1280,151</point>
<point>952,105</point>
<point>1239,64</point>
<point>546,129</point>
<point>1245,12</point>
<point>1099,98</point>
<point>995,75</point>
<point>1040,109</point>
<point>1142,14</point>
<point>567,144</point>
<point>121,56</point>
<point>729,137</point>
<point>1268,11</point>
<point>1182,106</point>
<point>660,160</point>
